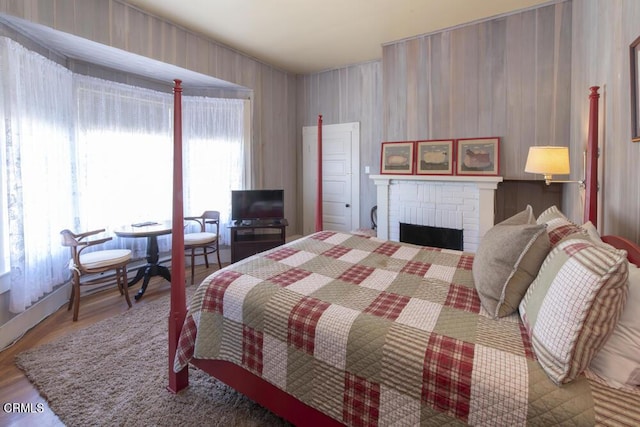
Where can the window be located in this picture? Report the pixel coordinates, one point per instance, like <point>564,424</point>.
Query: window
<point>124,155</point>
<point>4,224</point>
<point>85,153</point>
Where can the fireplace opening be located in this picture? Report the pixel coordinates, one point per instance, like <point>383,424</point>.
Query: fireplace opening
<point>437,237</point>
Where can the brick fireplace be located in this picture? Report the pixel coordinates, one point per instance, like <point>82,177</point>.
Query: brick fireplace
<point>458,202</point>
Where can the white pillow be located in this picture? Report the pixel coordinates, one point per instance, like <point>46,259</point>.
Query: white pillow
<point>591,231</point>
<point>618,362</point>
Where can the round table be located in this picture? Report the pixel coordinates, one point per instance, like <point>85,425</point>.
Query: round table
<point>150,230</point>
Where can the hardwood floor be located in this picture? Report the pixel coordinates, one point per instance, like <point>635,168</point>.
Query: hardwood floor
<point>14,385</point>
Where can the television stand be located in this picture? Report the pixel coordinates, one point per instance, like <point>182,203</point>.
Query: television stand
<point>251,237</point>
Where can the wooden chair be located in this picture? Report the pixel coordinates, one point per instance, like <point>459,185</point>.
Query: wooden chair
<point>94,263</point>
<point>204,240</point>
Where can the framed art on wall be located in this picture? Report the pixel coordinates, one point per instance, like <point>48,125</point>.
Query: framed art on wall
<point>397,158</point>
<point>478,156</point>
<point>435,157</point>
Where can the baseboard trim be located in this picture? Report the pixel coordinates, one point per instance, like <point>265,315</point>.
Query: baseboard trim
<point>17,326</point>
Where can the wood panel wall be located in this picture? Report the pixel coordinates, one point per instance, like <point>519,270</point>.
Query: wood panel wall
<point>602,33</point>
<point>507,77</point>
<point>345,95</point>
<point>273,92</point>
<point>513,196</point>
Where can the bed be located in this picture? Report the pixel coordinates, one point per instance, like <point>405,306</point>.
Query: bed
<point>339,328</point>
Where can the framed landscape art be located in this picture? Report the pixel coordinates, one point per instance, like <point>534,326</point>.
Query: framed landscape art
<point>397,158</point>
<point>435,157</point>
<point>478,156</point>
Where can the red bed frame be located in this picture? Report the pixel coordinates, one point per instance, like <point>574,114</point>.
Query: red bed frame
<point>254,387</point>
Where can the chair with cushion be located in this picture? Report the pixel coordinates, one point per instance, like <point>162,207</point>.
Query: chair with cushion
<point>85,264</point>
<point>203,240</point>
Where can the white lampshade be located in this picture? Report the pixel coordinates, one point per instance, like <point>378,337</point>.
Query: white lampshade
<point>548,160</point>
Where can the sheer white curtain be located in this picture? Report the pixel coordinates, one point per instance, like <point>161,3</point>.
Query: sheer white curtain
<point>213,155</point>
<point>123,155</point>
<point>84,153</point>
<point>38,116</point>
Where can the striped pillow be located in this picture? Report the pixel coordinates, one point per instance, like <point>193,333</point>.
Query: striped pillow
<point>618,362</point>
<point>558,225</point>
<point>573,305</point>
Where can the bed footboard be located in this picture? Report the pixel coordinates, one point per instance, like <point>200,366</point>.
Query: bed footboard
<point>265,393</point>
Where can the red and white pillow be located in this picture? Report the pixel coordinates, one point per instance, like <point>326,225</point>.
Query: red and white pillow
<point>558,225</point>
<point>574,304</point>
<point>618,362</point>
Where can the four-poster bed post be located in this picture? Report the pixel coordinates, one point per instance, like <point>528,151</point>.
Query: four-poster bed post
<point>319,213</point>
<point>591,166</point>
<point>178,308</point>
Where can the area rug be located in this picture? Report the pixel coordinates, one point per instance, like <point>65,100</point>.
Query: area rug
<point>114,373</point>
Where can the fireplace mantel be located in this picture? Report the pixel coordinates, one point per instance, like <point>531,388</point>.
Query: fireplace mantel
<point>468,199</point>
<point>439,178</point>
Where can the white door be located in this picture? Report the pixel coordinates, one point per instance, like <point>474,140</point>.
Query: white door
<point>340,177</point>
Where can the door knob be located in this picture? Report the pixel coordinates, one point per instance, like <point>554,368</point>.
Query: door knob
<point>347,205</point>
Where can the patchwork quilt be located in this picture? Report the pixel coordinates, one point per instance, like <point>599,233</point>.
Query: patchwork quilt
<point>373,332</point>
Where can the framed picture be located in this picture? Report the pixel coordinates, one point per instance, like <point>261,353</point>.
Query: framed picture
<point>635,90</point>
<point>435,157</point>
<point>397,158</point>
<point>478,156</point>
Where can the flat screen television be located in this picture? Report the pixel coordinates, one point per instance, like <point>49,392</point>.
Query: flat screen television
<point>249,205</point>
